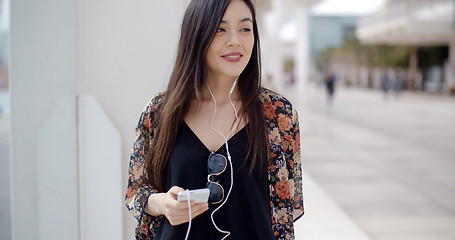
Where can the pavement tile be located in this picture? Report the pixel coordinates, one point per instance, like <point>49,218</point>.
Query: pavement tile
<point>408,226</point>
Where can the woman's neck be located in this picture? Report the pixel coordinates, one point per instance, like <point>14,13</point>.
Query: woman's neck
<point>220,88</point>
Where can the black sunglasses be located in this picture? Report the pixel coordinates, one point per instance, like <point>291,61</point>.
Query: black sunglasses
<point>216,165</point>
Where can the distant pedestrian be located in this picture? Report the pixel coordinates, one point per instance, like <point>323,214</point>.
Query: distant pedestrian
<point>330,84</point>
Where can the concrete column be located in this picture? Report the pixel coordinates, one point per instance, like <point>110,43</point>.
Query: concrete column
<point>43,87</point>
<point>276,49</point>
<point>302,53</point>
<point>451,77</point>
<point>273,64</point>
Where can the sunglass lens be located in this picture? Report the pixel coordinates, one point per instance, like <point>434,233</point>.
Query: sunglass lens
<point>216,164</point>
<point>216,192</point>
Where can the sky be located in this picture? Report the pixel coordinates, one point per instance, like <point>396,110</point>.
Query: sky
<point>346,7</point>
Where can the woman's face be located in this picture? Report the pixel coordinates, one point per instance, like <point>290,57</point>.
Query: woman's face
<point>231,48</point>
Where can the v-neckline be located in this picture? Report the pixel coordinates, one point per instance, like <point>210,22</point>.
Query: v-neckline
<point>219,148</point>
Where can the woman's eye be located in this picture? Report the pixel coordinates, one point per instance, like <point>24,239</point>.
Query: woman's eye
<point>220,30</point>
<point>245,30</point>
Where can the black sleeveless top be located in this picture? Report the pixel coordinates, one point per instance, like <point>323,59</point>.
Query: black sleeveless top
<point>246,214</point>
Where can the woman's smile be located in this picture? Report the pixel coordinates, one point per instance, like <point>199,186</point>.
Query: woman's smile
<point>233,57</point>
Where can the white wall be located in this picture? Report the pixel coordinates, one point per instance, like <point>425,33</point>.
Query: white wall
<point>126,51</point>
<point>113,55</point>
<point>43,75</point>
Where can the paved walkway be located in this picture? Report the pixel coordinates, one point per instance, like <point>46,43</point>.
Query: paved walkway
<point>387,165</point>
<point>324,219</point>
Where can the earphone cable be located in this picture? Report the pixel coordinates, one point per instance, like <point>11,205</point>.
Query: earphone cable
<point>228,154</point>
<point>189,213</point>
<point>230,163</point>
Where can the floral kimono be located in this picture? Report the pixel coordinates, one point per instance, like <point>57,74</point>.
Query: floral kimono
<point>284,166</point>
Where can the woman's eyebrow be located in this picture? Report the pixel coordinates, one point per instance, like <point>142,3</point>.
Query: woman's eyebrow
<point>241,21</point>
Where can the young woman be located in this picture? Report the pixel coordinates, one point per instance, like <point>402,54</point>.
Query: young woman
<point>216,112</point>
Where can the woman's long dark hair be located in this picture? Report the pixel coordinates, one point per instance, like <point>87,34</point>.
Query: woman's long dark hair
<point>199,26</point>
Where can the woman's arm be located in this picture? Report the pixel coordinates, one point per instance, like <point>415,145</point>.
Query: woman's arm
<point>138,192</point>
<point>144,202</point>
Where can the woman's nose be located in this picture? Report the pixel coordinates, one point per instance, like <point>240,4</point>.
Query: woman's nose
<point>233,39</point>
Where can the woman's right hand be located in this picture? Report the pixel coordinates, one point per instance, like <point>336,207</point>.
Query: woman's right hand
<point>176,212</point>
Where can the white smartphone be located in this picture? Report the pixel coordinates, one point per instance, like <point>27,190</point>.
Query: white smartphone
<point>197,195</point>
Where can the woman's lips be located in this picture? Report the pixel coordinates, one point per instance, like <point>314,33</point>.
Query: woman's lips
<point>233,57</point>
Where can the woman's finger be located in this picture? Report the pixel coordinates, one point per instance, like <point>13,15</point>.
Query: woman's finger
<point>198,209</point>
<point>182,216</point>
<point>175,190</point>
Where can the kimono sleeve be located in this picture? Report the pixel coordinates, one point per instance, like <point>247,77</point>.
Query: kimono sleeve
<point>297,199</point>
<point>138,191</point>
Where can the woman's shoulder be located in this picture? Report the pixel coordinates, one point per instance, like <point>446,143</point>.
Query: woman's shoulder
<point>155,103</point>
<point>272,98</point>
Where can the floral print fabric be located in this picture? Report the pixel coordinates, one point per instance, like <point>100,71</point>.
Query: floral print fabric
<point>284,171</point>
